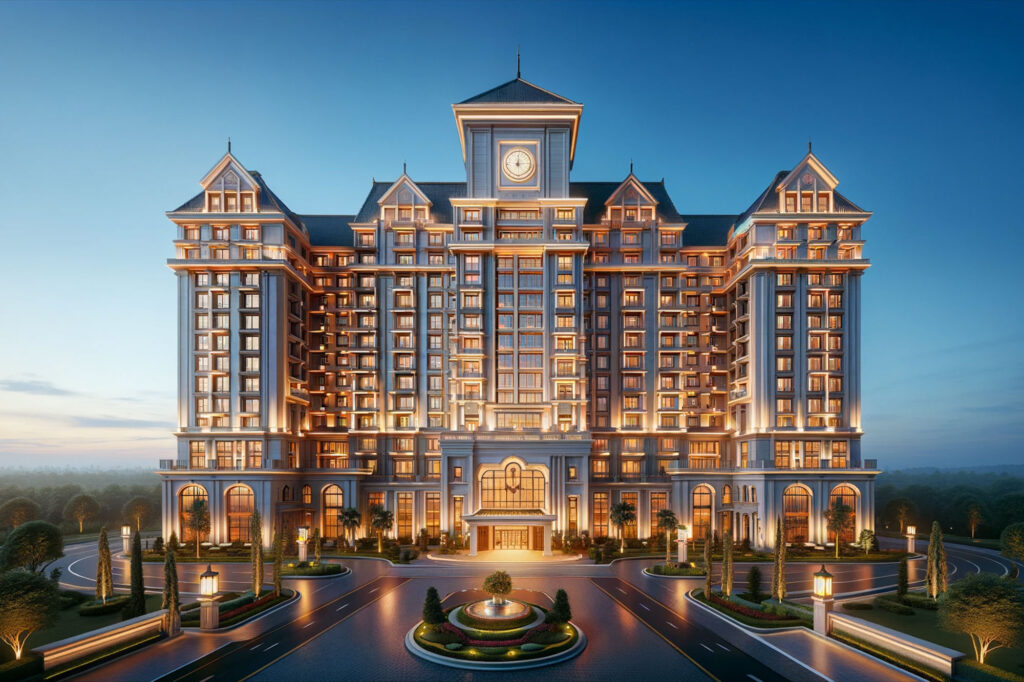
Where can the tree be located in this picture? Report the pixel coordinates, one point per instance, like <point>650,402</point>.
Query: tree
<point>987,608</point>
<point>498,584</point>
<point>350,518</point>
<point>1011,508</point>
<point>17,511</point>
<point>974,517</point>
<point>902,578</point>
<point>754,583</point>
<point>104,572</point>
<point>622,514</point>
<point>936,577</point>
<point>137,510</point>
<point>727,564</point>
<point>779,570</point>
<point>315,539</point>
<point>1012,541</point>
<point>381,520</point>
<point>838,518</point>
<point>81,508</point>
<point>667,522</point>
<point>28,602</point>
<point>136,605</point>
<point>433,613</point>
<point>256,551</point>
<point>708,562</point>
<point>33,546</point>
<point>278,559</point>
<point>172,597</point>
<point>197,521</point>
<point>867,540</point>
<point>560,611</point>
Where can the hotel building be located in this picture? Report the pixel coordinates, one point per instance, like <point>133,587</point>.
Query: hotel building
<point>509,356</point>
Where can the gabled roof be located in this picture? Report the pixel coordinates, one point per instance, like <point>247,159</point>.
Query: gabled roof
<point>598,193</point>
<point>226,161</point>
<point>439,194</point>
<point>814,163</point>
<point>268,201</point>
<point>328,230</point>
<point>404,181</point>
<point>630,181</point>
<point>517,91</point>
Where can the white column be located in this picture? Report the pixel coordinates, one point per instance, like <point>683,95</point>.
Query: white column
<point>547,539</point>
<point>472,539</point>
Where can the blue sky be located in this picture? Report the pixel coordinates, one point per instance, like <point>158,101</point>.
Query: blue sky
<point>110,114</point>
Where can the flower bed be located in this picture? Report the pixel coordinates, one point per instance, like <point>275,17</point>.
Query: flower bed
<point>675,569</point>
<point>747,615</point>
<point>312,569</point>
<point>237,610</point>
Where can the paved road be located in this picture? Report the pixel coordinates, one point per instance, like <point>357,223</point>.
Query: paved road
<point>708,651</point>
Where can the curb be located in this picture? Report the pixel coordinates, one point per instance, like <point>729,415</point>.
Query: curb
<point>342,574</point>
<point>575,650</point>
<point>498,561</point>
<point>672,577</point>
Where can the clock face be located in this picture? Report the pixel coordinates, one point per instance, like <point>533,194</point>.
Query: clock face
<point>518,165</point>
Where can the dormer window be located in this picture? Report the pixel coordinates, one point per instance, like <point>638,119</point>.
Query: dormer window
<point>790,202</point>
<point>247,204</point>
<point>805,202</point>
<point>823,202</point>
<point>214,202</point>
<point>231,203</point>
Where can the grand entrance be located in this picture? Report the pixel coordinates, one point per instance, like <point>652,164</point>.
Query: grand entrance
<point>511,537</point>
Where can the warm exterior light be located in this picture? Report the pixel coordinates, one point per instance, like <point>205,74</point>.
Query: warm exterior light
<point>911,530</point>
<point>823,584</point>
<point>126,531</point>
<point>303,533</point>
<point>208,582</point>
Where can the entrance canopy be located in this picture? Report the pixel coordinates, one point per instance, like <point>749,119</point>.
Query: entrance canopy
<point>509,528</point>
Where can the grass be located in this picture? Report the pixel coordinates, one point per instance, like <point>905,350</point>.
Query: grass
<point>191,617</point>
<point>924,624</point>
<point>987,543</point>
<point>313,570</point>
<point>750,620</point>
<point>663,569</point>
<point>69,623</point>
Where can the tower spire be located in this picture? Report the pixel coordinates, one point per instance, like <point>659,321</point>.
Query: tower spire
<point>517,62</point>
<point>808,144</point>
<point>229,145</point>
<point>631,166</point>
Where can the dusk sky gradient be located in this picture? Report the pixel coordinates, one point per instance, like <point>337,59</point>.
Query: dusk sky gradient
<point>111,113</point>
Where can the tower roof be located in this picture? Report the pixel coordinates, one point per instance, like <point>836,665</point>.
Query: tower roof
<point>517,91</point>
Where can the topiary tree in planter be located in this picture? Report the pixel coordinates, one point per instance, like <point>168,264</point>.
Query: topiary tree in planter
<point>560,611</point>
<point>433,613</point>
<point>498,584</point>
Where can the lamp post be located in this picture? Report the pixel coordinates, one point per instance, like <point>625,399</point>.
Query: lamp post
<point>822,599</point>
<point>303,538</point>
<point>126,539</point>
<point>912,539</point>
<point>209,612</point>
<point>682,535</point>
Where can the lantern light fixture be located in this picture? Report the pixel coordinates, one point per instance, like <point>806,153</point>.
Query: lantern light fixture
<point>208,582</point>
<point>823,584</point>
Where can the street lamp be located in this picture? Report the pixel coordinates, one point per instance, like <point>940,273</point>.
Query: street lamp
<point>912,539</point>
<point>822,599</point>
<point>209,612</point>
<point>303,538</point>
<point>126,539</point>
<point>682,535</point>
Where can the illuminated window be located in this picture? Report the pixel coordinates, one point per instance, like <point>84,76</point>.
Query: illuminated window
<point>334,501</point>
<point>844,494</point>
<point>240,506</point>
<point>512,488</point>
<point>701,515</point>
<point>600,515</point>
<point>403,518</point>
<point>796,506</point>
<point>188,496</point>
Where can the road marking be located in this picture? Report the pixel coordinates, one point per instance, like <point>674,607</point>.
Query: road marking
<point>256,647</point>
<point>621,590</point>
<point>206,678</point>
<point>312,622</point>
<point>756,679</point>
<point>645,606</point>
<point>341,607</point>
<point>270,647</point>
<point>671,625</point>
<point>374,590</point>
<point>707,647</point>
<point>721,646</point>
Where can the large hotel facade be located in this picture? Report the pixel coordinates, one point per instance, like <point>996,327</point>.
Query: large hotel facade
<point>506,357</point>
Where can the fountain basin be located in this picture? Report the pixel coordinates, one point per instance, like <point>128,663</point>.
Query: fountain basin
<point>507,610</point>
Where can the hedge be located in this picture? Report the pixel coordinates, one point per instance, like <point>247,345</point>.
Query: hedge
<point>312,569</point>
<point>920,601</point>
<point>892,606</point>
<point>98,608</point>
<point>969,669</point>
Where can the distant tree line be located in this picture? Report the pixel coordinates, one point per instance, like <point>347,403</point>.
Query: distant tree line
<point>79,502</point>
<point>963,502</point>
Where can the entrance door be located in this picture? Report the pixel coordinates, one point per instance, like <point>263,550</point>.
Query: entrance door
<point>510,537</point>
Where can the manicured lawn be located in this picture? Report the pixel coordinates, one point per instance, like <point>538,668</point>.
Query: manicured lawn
<point>69,623</point>
<point>924,624</point>
<point>987,543</point>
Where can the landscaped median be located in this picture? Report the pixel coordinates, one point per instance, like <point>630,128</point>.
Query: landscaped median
<point>756,611</point>
<point>236,609</point>
<point>675,570</point>
<point>310,569</point>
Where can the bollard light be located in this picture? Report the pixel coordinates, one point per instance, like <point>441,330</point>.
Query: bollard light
<point>911,539</point>
<point>823,584</point>
<point>208,582</point>
<point>303,533</point>
<point>126,531</point>
<point>126,539</point>
<point>911,530</point>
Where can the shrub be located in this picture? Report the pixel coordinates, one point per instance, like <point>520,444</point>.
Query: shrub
<point>69,598</point>
<point>887,604</point>
<point>754,583</point>
<point>453,646</point>
<point>920,601</point>
<point>531,646</point>
<point>26,668</point>
<point>676,569</point>
<point>98,608</point>
<point>560,612</point>
<point>433,614</point>
<point>757,614</point>
<point>857,606</point>
<point>1012,541</point>
<point>158,545</point>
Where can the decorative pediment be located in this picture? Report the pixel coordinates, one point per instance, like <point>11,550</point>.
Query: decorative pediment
<point>404,193</point>
<point>809,175</point>
<point>631,193</point>
<point>229,176</point>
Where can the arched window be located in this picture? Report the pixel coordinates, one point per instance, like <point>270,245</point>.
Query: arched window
<point>753,494</point>
<point>334,501</point>
<point>307,495</point>
<point>796,512</point>
<point>186,498</point>
<point>286,494</point>
<point>512,488</point>
<point>845,494</point>
<point>702,495</point>
<point>240,505</point>
<point>727,494</point>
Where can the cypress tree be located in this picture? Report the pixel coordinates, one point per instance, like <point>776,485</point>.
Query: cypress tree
<point>256,551</point>
<point>136,605</point>
<point>316,546</point>
<point>560,611</point>
<point>727,564</point>
<point>104,574</point>
<point>902,579</point>
<point>433,613</point>
<point>172,597</point>
<point>708,563</point>
<point>779,571</point>
<point>278,555</point>
<point>936,575</point>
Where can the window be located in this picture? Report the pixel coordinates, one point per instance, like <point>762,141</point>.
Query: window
<point>188,496</point>
<point>600,515</point>
<point>844,494</point>
<point>783,451</point>
<point>433,502</point>
<point>333,504</point>
<point>572,514</point>
<point>796,508</point>
<point>403,517</point>
<point>240,506</point>
<point>629,530</point>
<point>512,488</point>
<point>701,515</point>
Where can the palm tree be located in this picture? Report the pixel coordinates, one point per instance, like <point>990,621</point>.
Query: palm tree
<point>381,520</point>
<point>622,513</point>
<point>350,518</point>
<point>667,521</point>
